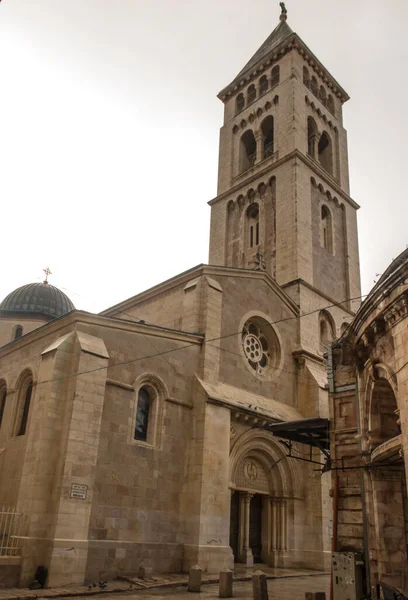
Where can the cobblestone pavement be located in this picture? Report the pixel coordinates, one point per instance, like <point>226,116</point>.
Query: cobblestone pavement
<point>286,588</point>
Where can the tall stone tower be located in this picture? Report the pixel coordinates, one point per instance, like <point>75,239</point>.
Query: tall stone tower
<point>283,200</point>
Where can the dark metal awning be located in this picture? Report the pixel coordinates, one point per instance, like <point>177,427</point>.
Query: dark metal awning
<point>312,432</point>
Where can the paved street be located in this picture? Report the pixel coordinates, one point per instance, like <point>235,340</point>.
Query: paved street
<point>287,588</point>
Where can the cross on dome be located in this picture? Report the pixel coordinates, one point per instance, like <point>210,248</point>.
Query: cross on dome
<point>47,272</point>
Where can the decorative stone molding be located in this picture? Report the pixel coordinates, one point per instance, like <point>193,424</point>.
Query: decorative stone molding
<point>325,191</point>
<point>260,112</point>
<point>292,43</point>
<point>320,113</point>
<point>397,311</point>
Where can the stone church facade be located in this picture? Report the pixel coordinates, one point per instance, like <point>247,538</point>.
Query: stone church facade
<point>137,436</point>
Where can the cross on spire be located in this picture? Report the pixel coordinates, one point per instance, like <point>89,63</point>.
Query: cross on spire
<point>47,272</point>
<point>284,13</point>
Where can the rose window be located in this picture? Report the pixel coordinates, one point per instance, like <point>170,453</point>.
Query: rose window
<point>260,345</point>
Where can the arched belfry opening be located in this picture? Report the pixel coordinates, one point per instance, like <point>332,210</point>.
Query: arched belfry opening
<point>312,137</point>
<point>267,128</point>
<point>325,152</point>
<point>247,151</point>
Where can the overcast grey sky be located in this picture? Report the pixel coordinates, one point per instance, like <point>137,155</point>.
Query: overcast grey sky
<point>109,131</point>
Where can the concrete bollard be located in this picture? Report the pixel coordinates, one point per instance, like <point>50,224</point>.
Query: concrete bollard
<point>259,586</point>
<point>194,579</point>
<point>315,596</point>
<point>225,585</point>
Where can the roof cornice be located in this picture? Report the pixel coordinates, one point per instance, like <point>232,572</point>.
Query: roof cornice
<point>292,42</point>
<point>75,319</point>
<point>269,169</point>
<point>196,272</point>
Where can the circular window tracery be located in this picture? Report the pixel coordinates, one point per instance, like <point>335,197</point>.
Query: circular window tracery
<point>260,345</point>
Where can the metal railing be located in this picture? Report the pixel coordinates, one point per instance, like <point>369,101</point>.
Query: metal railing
<point>12,524</point>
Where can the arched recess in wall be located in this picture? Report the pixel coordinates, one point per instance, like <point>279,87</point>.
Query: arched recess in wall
<point>239,103</point>
<point>306,77</point>
<point>327,330</point>
<point>267,128</point>
<point>326,229</point>
<point>275,75</point>
<point>232,234</point>
<point>383,418</point>
<point>24,391</point>
<point>263,85</point>
<point>247,151</point>
<point>325,152</point>
<point>251,94</point>
<point>330,104</point>
<point>380,419</point>
<point>312,136</point>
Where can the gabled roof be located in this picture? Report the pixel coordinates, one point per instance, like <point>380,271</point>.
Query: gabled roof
<point>281,32</point>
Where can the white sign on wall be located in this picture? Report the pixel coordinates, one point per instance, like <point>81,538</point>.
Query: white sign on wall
<point>79,491</point>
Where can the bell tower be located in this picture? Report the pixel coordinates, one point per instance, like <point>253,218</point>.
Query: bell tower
<point>283,200</point>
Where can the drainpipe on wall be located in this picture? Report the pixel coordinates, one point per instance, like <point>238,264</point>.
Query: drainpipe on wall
<point>363,503</point>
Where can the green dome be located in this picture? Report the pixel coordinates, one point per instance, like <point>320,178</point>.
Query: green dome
<point>37,299</point>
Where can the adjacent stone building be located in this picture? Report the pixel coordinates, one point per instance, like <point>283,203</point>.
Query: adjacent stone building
<point>137,436</point>
<point>369,413</point>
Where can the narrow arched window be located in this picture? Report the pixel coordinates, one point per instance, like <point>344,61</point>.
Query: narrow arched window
<point>239,103</point>
<point>275,75</point>
<point>251,94</point>
<point>325,152</point>
<point>3,397</point>
<point>253,225</point>
<point>326,330</point>
<point>267,129</point>
<point>322,95</point>
<point>263,85</point>
<point>311,136</point>
<point>26,391</point>
<point>142,415</point>
<point>18,332</point>
<point>306,77</point>
<point>330,104</point>
<point>326,229</point>
<point>247,151</point>
<point>313,86</point>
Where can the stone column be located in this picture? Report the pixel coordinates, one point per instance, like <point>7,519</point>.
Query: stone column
<point>283,524</point>
<point>274,525</point>
<point>247,552</point>
<point>259,146</point>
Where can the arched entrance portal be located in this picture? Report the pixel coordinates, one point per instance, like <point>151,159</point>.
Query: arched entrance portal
<point>262,487</point>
